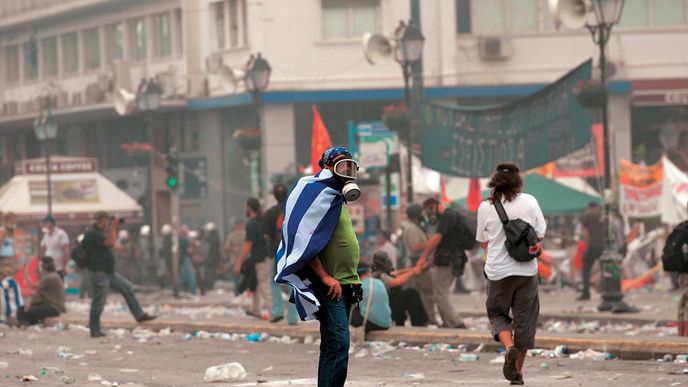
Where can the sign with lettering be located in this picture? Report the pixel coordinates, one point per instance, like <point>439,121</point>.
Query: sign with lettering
<point>58,165</point>
<point>469,141</point>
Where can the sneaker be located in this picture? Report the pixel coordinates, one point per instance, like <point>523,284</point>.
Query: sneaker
<point>276,319</point>
<point>97,334</point>
<point>146,317</point>
<point>510,356</point>
<point>518,381</point>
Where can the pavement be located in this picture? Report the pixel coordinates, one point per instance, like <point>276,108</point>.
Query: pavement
<point>563,321</point>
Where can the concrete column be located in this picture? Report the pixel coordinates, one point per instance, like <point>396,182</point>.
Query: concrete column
<point>279,145</point>
<point>620,127</point>
<point>210,142</point>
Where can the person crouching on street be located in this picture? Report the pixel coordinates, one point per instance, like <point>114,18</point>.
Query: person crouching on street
<point>49,299</point>
<point>512,285</point>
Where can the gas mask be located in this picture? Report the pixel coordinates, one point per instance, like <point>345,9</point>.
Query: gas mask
<point>346,170</point>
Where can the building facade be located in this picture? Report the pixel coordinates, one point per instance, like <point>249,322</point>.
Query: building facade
<point>476,52</point>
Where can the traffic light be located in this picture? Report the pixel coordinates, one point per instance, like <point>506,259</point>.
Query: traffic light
<point>172,169</point>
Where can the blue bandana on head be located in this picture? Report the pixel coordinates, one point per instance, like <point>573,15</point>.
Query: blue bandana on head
<point>331,154</point>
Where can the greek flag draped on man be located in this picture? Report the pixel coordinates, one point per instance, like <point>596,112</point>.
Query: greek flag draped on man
<point>311,214</point>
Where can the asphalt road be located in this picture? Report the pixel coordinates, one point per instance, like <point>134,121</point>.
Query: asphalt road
<point>175,359</point>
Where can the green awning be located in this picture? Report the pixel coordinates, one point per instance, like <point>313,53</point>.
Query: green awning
<point>554,198</point>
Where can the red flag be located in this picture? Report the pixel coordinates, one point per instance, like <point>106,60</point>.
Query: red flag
<point>474,195</point>
<point>320,141</point>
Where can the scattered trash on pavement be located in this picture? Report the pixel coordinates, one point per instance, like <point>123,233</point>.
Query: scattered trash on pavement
<point>497,360</point>
<point>3,365</point>
<point>253,337</point>
<point>94,377</point>
<point>414,376</point>
<point>590,354</point>
<point>66,379</point>
<point>544,366</point>
<point>28,378</point>
<point>128,370</point>
<point>25,352</point>
<point>466,357</point>
<point>562,376</point>
<point>224,373</point>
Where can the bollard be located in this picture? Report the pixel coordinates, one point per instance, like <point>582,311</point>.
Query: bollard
<point>610,284</point>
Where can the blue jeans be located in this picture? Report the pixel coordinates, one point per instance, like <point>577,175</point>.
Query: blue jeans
<point>187,276</point>
<point>101,283</point>
<point>278,302</point>
<point>334,340</point>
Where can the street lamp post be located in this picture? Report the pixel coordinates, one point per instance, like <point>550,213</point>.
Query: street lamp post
<point>607,13</point>
<point>408,50</point>
<point>257,79</point>
<point>45,129</point>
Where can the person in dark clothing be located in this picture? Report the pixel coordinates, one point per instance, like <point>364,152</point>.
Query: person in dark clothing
<point>101,267</point>
<point>187,275</point>
<point>49,299</point>
<point>255,254</point>
<point>449,258</point>
<point>594,229</point>
<point>401,300</point>
<point>213,255</point>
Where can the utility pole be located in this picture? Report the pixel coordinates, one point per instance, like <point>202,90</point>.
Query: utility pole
<point>416,92</point>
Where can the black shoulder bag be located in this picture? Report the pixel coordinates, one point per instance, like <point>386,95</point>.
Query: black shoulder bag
<point>521,238</point>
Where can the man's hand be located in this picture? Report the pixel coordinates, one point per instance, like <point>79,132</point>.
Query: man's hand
<point>334,288</point>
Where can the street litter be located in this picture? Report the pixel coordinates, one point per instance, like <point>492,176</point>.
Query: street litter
<point>681,359</point>
<point>128,370</point>
<point>67,379</point>
<point>25,352</point>
<point>414,376</point>
<point>268,369</point>
<point>562,377</point>
<point>94,377</point>
<point>50,370</point>
<point>497,360</point>
<point>65,353</point>
<point>379,348</point>
<point>28,378</point>
<point>590,354</point>
<point>254,337</point>
<point>467,357</point>
<point>544,366</point>
<point>224,373</point>
<point>3,365</point>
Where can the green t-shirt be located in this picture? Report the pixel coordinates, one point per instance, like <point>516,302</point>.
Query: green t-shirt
<point>341,255</point>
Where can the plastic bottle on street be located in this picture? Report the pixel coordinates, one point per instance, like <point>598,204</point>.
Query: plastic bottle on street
<point>224,372</point>
<point>466,357</point>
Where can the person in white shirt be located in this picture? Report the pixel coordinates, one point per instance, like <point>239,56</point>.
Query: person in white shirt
<point>512,285</point>
<point>55,244</point>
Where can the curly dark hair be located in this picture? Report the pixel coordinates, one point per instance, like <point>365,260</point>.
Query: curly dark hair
<point>505,182</point>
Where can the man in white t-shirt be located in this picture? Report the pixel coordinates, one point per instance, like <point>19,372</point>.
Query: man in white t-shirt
<point>513,303</point>
<point>55,244</point>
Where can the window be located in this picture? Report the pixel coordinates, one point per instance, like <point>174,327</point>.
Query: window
<point>656,13</point>
<point>30,60</point>
<point>349,19</point>
<point>668,12</point>
<point>162,35</point>
<point>178,32</point>
<point>463,16</point>
<point>50,62</point>
<point>70,53</point>
<point>219,20</point>
<point>91,49</point>
<point>114,42</point>
<point>137,31</point>
<point>12,64</point>
<point>497,16</point>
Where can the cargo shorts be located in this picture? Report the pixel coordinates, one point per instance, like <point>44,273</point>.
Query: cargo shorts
<point>513,305</point>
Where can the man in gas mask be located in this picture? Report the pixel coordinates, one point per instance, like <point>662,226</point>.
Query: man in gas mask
<point>319,255</point>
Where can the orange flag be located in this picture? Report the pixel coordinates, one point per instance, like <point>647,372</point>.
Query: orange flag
<point>320,141</point>
<point>474,195</point>
<point>443,193</point>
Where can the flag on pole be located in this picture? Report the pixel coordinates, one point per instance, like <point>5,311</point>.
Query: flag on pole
<point>320,141</point>
<point>474,195</point>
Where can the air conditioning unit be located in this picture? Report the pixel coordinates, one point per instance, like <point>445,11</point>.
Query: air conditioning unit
<point>493,48</point>
<point>198,86</point>
<point>213,63</point>
<point>168,82</point>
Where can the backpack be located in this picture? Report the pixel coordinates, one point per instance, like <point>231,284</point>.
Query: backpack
<point>80,256</point>
<point>673,257</point>
<point>465,227</point>
<point>521,239</point>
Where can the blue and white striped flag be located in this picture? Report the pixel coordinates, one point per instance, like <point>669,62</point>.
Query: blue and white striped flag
<point>311,214</point>
<point>11,299</point>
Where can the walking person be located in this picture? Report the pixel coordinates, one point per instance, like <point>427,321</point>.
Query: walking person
<point>98,243</point>
<point>449,257</point>
<point>321,265</point>
<point>231,247</point>
<point>593,226</point>
<point>54,244</point>
<point>255,253</point>
<point>675,260</point>
<point>272,226</point>
<point>512,291</point>
<point>415,241</point>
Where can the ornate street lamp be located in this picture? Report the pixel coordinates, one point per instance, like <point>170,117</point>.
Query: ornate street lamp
<point>45,129</point>
<point>408,50</point>
<point>148,95</point>
<point>257,79</point>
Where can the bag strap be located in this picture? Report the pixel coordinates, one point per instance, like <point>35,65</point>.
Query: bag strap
<point>501,212</point>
